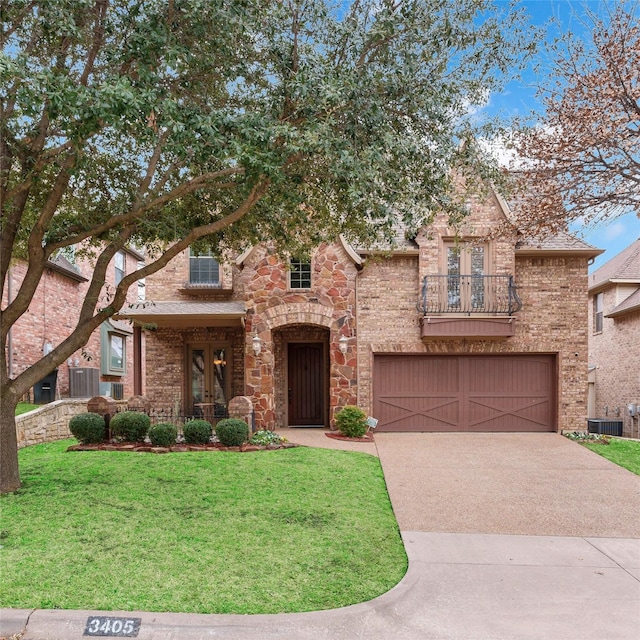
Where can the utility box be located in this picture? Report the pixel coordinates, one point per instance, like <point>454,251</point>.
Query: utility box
<point>605,427</point>
<point>45,390</point>
<point>84,382</point>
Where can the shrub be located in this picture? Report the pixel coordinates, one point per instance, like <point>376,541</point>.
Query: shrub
<point>88,428</point>
<point>163,434</point>
<point>352,422</point>
<point>265,437</point>
<point>232,432</point>
<point>197,432</point>
<point>130,426</point>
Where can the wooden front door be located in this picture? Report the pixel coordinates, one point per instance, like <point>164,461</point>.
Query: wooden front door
<point>306,383</point>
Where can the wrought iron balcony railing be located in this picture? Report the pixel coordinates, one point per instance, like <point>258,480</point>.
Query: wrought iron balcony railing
<point>469,294</point>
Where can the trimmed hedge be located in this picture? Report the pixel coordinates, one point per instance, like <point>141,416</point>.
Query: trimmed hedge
<point>351,421</point>
<point>130,426</point>
<point>88,428</point>
<point>197,432</point>
<point>163,434</point>
<point>232,432</point>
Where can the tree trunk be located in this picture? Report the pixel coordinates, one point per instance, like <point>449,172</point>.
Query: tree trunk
<point>9,473</point>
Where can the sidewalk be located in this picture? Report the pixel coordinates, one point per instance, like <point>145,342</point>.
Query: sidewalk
<point>480,582</point>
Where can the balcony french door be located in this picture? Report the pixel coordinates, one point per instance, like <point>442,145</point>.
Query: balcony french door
<point>466,267</point>
<point>208,379</point>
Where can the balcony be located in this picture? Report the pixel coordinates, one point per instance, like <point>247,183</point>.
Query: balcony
<point>468,306</point>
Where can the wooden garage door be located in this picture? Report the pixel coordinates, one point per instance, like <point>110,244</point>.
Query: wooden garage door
<point>464,393</point>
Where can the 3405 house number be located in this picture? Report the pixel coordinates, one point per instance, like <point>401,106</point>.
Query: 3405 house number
<point>114,627</point>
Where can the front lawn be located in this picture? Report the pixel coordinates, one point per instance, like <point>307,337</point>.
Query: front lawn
<point>208,532</point>
<point>625,453</point>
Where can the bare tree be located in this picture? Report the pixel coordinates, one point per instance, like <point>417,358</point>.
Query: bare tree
<point>582,158</point>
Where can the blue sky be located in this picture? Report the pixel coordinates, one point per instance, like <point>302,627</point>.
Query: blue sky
<point>519,98</point>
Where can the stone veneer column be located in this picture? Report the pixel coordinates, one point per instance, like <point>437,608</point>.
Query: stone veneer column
<point>259,379</point>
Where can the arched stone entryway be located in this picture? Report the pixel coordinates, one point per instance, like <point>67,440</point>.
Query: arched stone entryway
<point>301,375</point>
<point>294,336</point>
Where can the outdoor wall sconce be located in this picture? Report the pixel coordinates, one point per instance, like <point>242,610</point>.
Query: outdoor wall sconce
<point>343,344</point>
<point>47,348</point>
<point>257,345</point>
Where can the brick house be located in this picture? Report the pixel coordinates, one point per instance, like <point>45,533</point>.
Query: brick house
<point>106,364</point>
<point>443,332</point>
<point>614,339</point>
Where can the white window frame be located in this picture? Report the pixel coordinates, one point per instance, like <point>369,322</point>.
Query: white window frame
<point>207,255</point>
<point>120,266</point>
<point>598,312</point>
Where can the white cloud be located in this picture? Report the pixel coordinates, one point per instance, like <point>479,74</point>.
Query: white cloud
<point>615,230</point>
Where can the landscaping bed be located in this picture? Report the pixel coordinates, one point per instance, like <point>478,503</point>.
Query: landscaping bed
<point>336,435</point>
<point>143,447</point>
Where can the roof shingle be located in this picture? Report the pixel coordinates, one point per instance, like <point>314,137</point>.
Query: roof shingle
<point>623,266</point>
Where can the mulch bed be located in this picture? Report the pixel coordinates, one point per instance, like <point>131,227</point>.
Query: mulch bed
<point>141,447</point>
<point>367,437</point>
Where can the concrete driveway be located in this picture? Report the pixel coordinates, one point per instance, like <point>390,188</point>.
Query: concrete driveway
<point>507,483</point>
<point>509,537</point>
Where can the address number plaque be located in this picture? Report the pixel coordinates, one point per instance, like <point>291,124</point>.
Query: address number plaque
<point>107,626</point>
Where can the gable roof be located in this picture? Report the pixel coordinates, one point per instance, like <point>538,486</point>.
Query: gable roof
<point>62,266</point>
<point>623,267</point>
<point>628,305</point>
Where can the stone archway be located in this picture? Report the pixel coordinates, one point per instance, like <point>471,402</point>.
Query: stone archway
<point>301,375</point>
<point>310,323</point>
<point>300,313</point>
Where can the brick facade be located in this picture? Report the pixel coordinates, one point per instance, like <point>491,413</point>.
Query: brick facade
<point>615,354</point>
<point>371,301</point>
<point>52,316</point>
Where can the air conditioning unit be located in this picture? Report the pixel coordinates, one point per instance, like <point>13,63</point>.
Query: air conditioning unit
<point>84,382</point>
<point>117,390</point>
<point>605,427</point>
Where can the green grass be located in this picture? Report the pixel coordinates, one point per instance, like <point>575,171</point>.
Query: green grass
<point>25,407</point>
<point>210,532</point>
<point>625,453</point>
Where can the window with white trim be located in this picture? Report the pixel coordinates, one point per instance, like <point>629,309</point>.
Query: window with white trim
<point>598,312</point>
<point>119,262</point>
<point>203,268</point>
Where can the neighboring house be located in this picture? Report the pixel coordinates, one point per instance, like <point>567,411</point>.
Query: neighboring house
<point>446,332</point>
<point>614,339</point>
<point>105,365</point>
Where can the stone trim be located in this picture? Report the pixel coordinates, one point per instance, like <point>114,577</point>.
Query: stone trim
<point>299,313</point>
<point>49,422</point>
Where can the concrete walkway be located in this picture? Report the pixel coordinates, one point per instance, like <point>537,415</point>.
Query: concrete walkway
<point>509,537</point>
